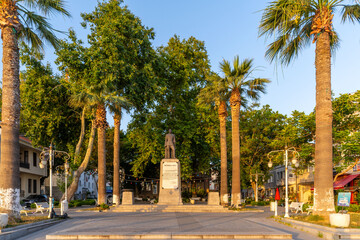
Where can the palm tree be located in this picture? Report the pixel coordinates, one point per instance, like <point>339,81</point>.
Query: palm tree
<point>116,108</point>
<point>98,97</point>
<point>239,84</point>
<point>16,23</point>
<point>213,93</point>
<point>294,24</point>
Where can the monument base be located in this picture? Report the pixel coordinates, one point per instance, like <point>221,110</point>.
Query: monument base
<point>170,182</point>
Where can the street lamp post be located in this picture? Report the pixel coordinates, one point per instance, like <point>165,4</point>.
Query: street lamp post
<point>256,184</point>
<point>294,161</point>
<point>48,155</point>
<point>64,203</point>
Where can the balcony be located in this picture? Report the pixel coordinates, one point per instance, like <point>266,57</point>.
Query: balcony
<point>25,165</point>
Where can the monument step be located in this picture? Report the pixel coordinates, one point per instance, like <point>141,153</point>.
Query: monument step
<point>170,208</point>
<point>174,236</point>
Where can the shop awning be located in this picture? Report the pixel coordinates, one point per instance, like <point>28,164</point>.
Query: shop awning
<point>342,182</point>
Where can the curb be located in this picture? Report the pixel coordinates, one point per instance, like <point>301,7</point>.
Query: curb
<point>170,236</point>
<point>21,231</point>
<point>322,231</point>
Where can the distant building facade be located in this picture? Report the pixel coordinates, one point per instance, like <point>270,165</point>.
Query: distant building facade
<point>31,175</point>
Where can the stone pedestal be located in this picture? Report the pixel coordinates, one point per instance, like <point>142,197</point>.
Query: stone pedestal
<point>170,182</point>
<point>213,198</point>
<point>128,197</point>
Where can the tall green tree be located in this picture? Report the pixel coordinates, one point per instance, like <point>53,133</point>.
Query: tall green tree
<point>73,62</point>
<point>46,116</point>
<point>182,71</point>
<point>258,129</point>
<point>240,85</point>
<point>18,23</point>
<point>122,56</point>
<point>346,129</point>
<point>294,23</point>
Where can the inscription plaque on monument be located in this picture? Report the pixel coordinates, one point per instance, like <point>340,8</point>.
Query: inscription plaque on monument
<point>170,175</point>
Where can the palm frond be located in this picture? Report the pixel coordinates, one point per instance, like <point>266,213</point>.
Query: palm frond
<point>351,13</point>
<point>48,7</point>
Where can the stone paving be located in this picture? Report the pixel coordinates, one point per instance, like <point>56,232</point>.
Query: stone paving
<point>148,224</point>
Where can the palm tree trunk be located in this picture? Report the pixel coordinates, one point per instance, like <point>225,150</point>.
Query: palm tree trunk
<point>10,147</point>
<point>101,128</point>
<point>116,179</point>
<point>77,174</point>
<point>224,198</point>
<point>235,117</point>
<point>323,180</point>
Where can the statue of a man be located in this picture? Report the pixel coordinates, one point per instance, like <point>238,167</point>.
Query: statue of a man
<point>169,145</point>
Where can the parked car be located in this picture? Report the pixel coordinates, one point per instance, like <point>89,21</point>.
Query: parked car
<point>35,198</point>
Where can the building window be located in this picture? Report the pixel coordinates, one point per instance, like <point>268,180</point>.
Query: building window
<point>34,159</point>
<point>34,186</point>
<point>29,185</point>
<point>26,157</point>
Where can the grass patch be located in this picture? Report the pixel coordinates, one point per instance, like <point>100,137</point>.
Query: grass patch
<point>13,222</point>
<point>316,219</point>
<point>355,220</point>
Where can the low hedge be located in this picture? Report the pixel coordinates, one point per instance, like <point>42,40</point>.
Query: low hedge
<point>353,208</point>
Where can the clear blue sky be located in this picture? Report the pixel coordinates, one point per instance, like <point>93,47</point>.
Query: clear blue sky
<point>230,28</point>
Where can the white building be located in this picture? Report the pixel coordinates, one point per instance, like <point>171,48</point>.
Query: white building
<point>87,186</point>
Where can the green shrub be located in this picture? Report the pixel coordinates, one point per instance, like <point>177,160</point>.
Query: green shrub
<point>33,205</point>
<point>186,194</point>
<point>78,204</point>
<point>104,206</point>
<point>201,193</point>
<point>248,201</point>
<point>259,203</point>
<point>186,200</point>
<point>56,203</point>
<point>354,208</point>
<point>89,202</point>
<point>305,207</point>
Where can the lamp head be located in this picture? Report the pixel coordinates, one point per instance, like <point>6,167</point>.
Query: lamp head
<point>270,164</point>
<point>294,160</point>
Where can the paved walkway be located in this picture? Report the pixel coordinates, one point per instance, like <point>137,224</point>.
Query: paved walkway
<point>111,223</point>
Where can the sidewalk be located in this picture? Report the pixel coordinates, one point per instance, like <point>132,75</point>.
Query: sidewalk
<point>135,225</point>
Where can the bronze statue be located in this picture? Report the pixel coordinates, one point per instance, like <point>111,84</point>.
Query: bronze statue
<point>169,145</point>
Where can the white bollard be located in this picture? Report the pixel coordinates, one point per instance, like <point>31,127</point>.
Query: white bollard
<point>276,205</point>
<point>4,218</point>
<point>64,207</point>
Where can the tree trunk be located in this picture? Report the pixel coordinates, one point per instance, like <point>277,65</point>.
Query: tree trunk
<point>10,146</point>
<point>224,198</point>
<point>116,179</point>
<point>81,138</point>
<point>101,128</point>
<point>77,174</point>
<point>323,180</point>
<point>235,116</point>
